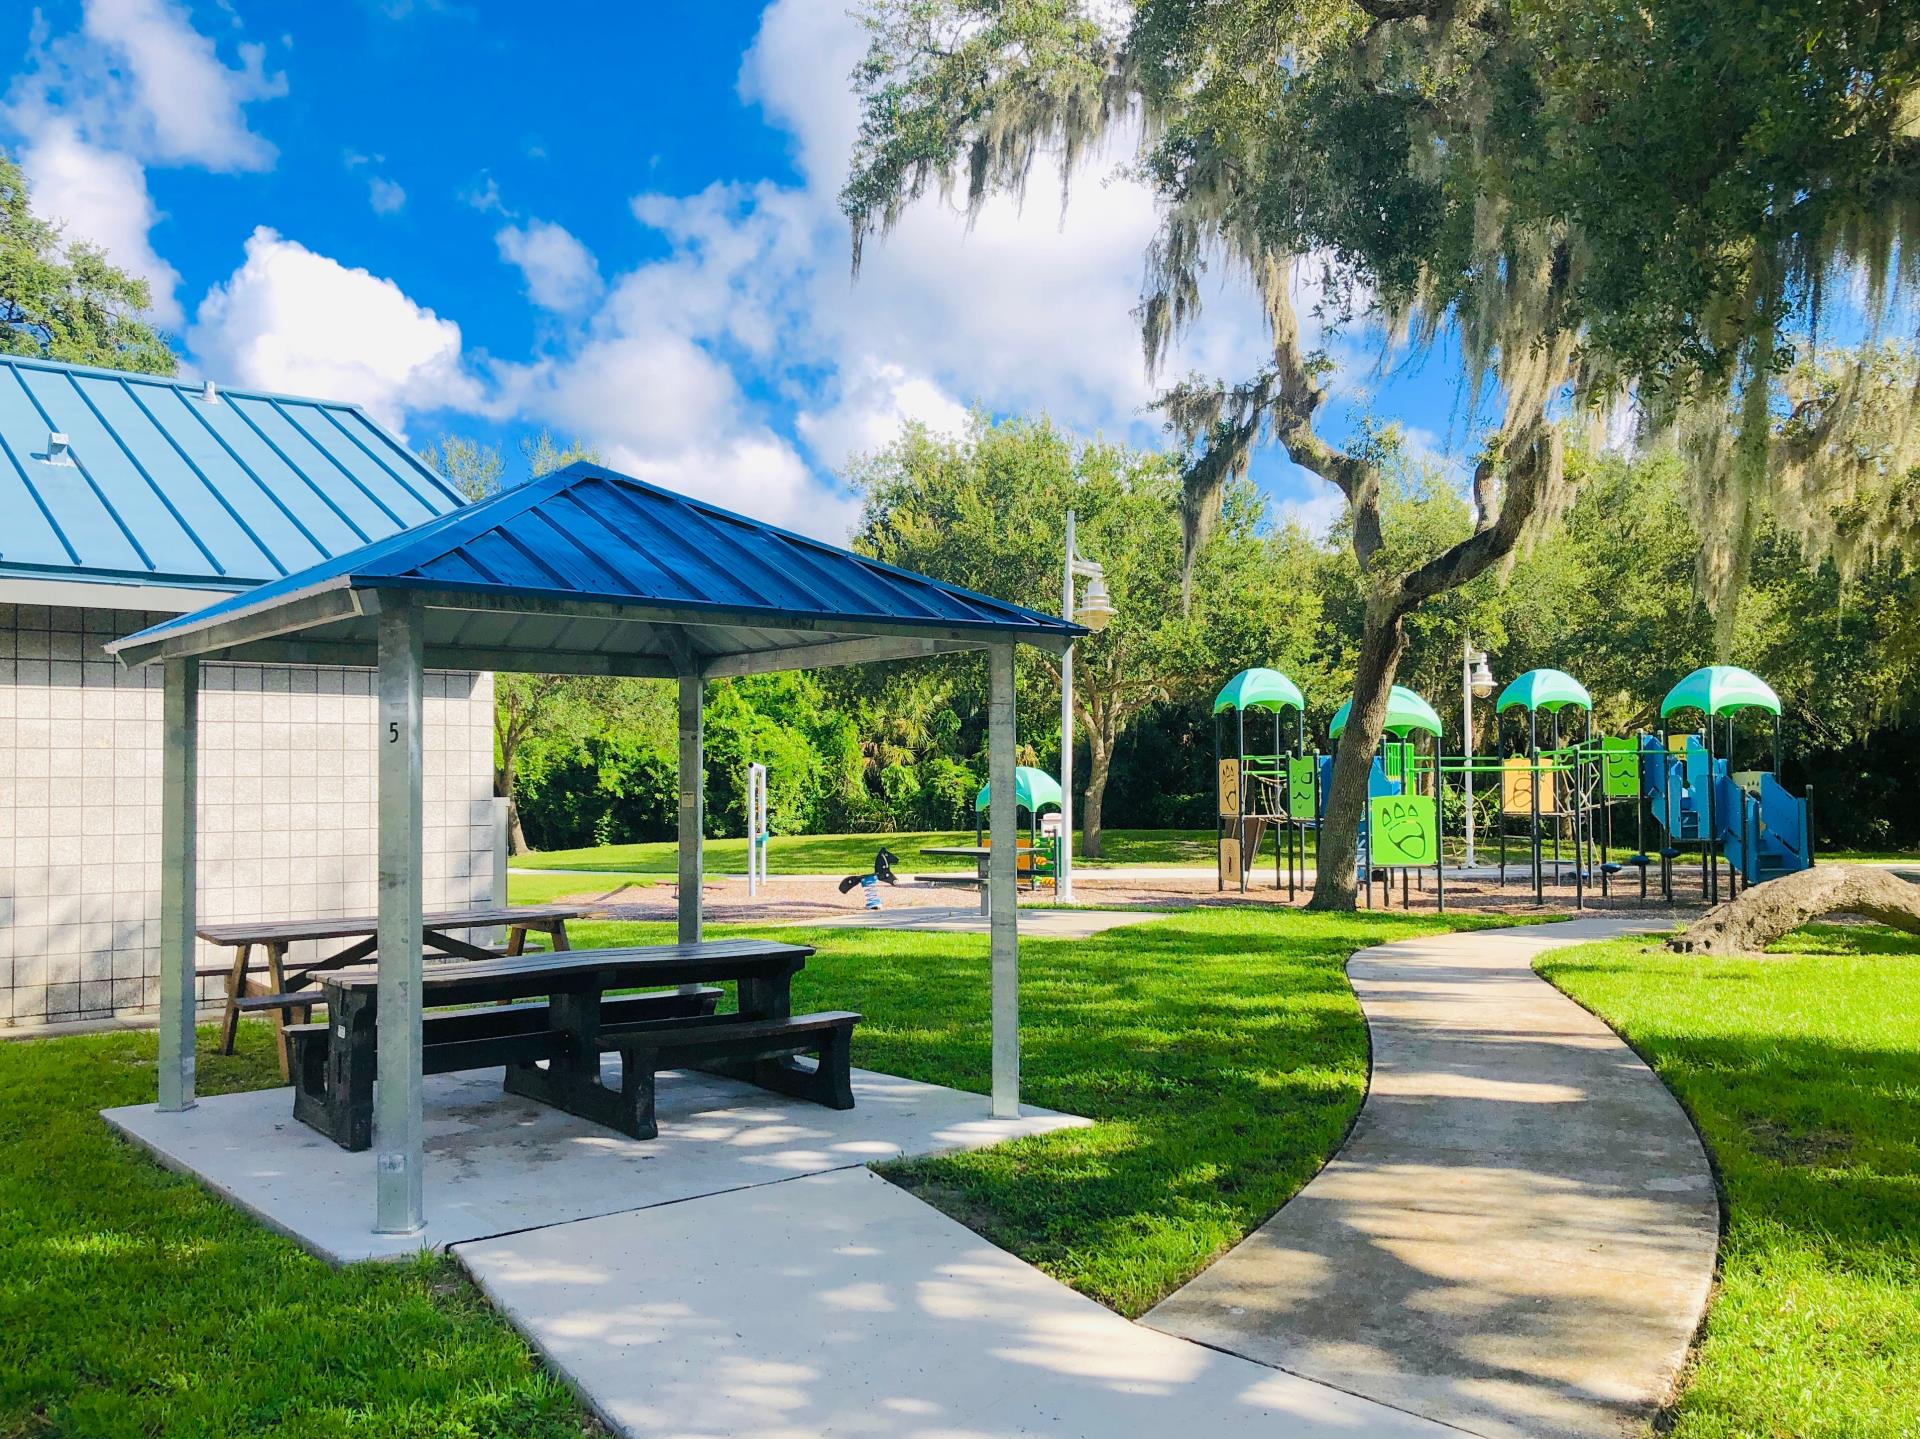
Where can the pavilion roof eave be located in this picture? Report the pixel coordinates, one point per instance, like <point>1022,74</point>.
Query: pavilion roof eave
<point>333,623</point>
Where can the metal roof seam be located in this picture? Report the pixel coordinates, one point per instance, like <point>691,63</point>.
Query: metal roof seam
<point>447,491</point>
<point>259,482</point>
<point>233,408</point>
<point>113,433</point>
<point>79,464</point>
<point>40,500</point>
<point>212,489</point>
<point>327,455</point>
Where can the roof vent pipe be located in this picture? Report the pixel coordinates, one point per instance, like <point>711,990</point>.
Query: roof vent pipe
<point>210,393</point>
<point>59,449</point>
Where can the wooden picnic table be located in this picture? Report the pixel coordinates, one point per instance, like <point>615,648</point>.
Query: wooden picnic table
<point>551,1049</point>
<point>273,937</point>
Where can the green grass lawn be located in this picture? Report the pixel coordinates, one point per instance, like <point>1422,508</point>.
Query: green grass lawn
<point>853,853</point>
<point>1802,1071</point>
<point>1222,1052</point>
<point>133,1303</point>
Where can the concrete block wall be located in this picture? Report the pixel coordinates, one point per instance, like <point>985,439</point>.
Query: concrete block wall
<point>287,809</point>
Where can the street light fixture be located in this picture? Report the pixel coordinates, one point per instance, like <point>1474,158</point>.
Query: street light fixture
<point>1095,611</point>
<point>1476,682</point>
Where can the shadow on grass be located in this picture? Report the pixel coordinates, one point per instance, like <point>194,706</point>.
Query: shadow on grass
<point>1802,1071</point>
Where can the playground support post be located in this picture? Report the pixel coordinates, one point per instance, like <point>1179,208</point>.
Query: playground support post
<point>756,827</point>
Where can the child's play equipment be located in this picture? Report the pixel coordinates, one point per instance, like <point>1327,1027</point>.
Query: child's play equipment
<point>1400,830</point>
<point>869,884</point>
<point>1252,784</point>
<point>1033,791</point>
<point>1550,789</point>
<point>1745,817</point>
<point>756,827</point>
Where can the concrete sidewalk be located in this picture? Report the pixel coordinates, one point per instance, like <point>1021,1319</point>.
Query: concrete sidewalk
<point>1518,1237</point>
<point>841,1305</point>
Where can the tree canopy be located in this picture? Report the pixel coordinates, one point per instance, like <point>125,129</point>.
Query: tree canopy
<point>1597,204</point>
<point>66,300</point>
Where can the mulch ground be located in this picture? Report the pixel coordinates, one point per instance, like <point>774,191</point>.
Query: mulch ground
<point>799,900</point>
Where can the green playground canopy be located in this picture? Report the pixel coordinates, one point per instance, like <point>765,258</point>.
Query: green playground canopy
<point>1033,790</point>
<point>1719,689</point>
<point>1259,689</point>
<point>1547,690</point>
<point>1406,712</point>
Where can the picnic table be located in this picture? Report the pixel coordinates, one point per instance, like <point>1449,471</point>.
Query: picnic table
<point>1028,862</point>
<point>551,1047</point>
<point>280,993</point>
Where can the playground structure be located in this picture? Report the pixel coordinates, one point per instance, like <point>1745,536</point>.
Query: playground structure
<point>1254,788</point>
<point>1745,818</point>
<point>1563,800</point>
<point>1034,790</point>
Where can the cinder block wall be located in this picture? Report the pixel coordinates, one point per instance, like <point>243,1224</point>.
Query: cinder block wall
<point>287,809</point>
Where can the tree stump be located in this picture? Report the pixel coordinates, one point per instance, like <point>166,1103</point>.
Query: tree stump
<point>1760,915</point>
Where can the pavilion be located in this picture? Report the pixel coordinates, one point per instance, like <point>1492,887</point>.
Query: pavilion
<point>588,572</point>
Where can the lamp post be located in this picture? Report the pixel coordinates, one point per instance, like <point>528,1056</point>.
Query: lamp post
<point>1094,614</point>
<point>1476,681</point>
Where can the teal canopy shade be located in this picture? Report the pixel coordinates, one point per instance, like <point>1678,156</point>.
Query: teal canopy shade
<point>1033,790</point>
<point>1544,690</point>
<point>1259,689</point>
<point>1406,712</point>
<point>1719,689</point>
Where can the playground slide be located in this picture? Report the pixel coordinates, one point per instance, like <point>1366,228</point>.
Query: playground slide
<point>1763,830</point>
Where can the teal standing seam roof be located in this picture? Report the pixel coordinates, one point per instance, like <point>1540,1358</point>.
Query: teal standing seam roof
<point>1262,689</point>
<point>1406,712</point>
<point>589,535</point>
<point>160,484</point>
<point>1547,690</point>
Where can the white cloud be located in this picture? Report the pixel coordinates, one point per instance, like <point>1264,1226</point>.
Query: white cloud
<point>1318,513</point>
<point>653,393</point>
<point>289,319</point>
<point>386,196</point>
<point>135,85</point>
<point>560,272</point>
<point>755,473</point>
<point>870,409</point>
<point>101,196</point>
<point>137,77</point>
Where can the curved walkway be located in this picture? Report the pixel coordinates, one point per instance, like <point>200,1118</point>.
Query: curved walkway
<point>1518,1236</point>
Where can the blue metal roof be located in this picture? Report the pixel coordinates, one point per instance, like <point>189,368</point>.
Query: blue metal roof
<point>586,536</point>
<point>166,487</point>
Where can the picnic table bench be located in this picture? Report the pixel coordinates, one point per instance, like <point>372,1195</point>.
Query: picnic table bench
<point>551,1040</point>
<point>280,993</point>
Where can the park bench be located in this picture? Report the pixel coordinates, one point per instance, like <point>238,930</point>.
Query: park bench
<point>550,1040</point>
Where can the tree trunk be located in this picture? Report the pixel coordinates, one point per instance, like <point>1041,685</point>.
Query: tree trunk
<point>1099,761</point>
<point>1338,849</point>
<point>503,789</point>
<point>1760,915</point>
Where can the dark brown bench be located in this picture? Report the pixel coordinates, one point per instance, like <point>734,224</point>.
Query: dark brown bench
<point>328,1080</point>
<point>761,1051</point>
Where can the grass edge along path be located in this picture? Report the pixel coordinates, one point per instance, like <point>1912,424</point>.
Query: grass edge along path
<point>1220,1051</point>
<point>1801,1071</point>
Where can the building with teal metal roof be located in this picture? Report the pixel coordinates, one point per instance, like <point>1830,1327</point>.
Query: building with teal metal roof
<point>129,499</point>
<point>183,490</point>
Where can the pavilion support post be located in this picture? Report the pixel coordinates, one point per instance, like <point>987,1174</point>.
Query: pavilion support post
<point>692,802</point>
<point>1002,873</point>
<point>399,1160</point>
<point>179,855</point>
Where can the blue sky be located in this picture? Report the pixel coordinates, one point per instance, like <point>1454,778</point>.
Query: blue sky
<point>617,222</point>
